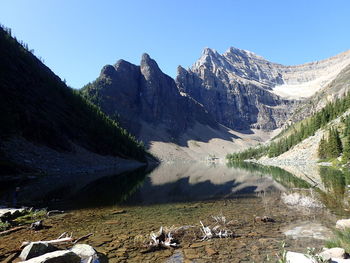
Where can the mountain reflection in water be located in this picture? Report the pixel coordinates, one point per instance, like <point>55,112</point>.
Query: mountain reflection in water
<point>169,182</point>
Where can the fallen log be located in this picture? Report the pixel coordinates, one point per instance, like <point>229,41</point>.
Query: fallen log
<point>12,230</point>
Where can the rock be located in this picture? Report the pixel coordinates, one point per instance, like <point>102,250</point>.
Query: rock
<point>264,219</point>
<point>307,229</point>
<point>35,249</point>
<point>335,252</point>
<point>177,257</point>
<point>343,223</point>
<point>210,251</point>
<point>61,256</point>
<point>195,245</point>
<point>190,253</point>
<point>38,225</point>
<point>294,257</point>
<point>7,214</point>
<point>85,252</point>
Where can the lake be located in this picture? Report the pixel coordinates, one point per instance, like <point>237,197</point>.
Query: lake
<point>122,210</point>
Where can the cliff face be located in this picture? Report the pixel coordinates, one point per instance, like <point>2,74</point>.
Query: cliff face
<point>144,94</point>
<point>236,88</point>
<point>243,90</point>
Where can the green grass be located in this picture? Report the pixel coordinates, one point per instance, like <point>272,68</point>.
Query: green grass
<point>31,217</point>
<point>4,226</point>
<point>341,239</point>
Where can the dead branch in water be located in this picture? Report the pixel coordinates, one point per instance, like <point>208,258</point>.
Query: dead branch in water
<point>12,230</point>
<point>82,238</point>
<point>160,240</point>
<point>218,230</point>
<point>63,238</point>
<point>55,241</point>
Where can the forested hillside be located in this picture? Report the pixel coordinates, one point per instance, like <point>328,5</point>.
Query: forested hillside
<point>302,130</point>
<point>37,105</point>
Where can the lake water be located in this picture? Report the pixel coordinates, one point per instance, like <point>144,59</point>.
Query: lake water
<point>122,210</point>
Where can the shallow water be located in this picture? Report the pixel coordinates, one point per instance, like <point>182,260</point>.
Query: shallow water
<point>180,195</point>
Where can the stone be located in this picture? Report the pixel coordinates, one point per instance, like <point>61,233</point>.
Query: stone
<point>38,225</point>
<point>210,251</point>
<point>7,214</point>
<point>294,257</point>
<point>342,224</point>
<point>307,229</point>
<point>191,253</point>
<point>61,256</point>
<point>335,252</point>
<point>35,249</point>
<point>85,252</point>
<point>195,245</point>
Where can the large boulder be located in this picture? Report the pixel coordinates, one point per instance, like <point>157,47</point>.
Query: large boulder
<point>294,257</point>
<point>342,224</point>
<point>85,252</point>
<point>36,249</point>
<point>61,256</point>
<point>335,252</point>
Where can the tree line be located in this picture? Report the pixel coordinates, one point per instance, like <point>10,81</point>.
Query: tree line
<point>306,129</point>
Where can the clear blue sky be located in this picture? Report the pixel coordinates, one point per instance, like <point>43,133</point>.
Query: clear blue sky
<point>77,37</point>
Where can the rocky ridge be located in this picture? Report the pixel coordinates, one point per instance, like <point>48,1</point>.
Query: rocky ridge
<point>237,91</point>
<point>243,90</point>
<point>139,95</point>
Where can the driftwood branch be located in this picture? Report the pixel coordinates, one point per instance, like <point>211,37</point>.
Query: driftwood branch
<point>55,241</point>
<point>219,230</point>
<point>62,235</point>
<point>12,230</point>
<point>52,212</point>
<point>82,238</point>
<point>162,239</point>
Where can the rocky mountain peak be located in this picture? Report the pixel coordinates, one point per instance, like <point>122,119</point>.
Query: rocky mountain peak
<point>107,71</point>
<point>149,67</point>
<point>240,54</point>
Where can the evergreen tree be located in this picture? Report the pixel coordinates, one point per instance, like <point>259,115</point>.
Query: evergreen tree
<point>322,149</point>
<point>334,144</point>
<point>346,151</point>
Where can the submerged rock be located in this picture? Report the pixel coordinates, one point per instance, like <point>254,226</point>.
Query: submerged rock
<point>62,256</point>
<point>308,230</point>
<point>35,249</point>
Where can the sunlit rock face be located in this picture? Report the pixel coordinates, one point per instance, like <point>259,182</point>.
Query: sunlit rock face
<point>243,90</point>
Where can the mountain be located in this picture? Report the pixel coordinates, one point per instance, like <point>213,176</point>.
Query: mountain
<point>335,89</point>
<point>42,118</point>
<point>328,113</point>
<point>172,124</point>
<point>137,95</point>
<point>238,98</point>
<point>243,90</point>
